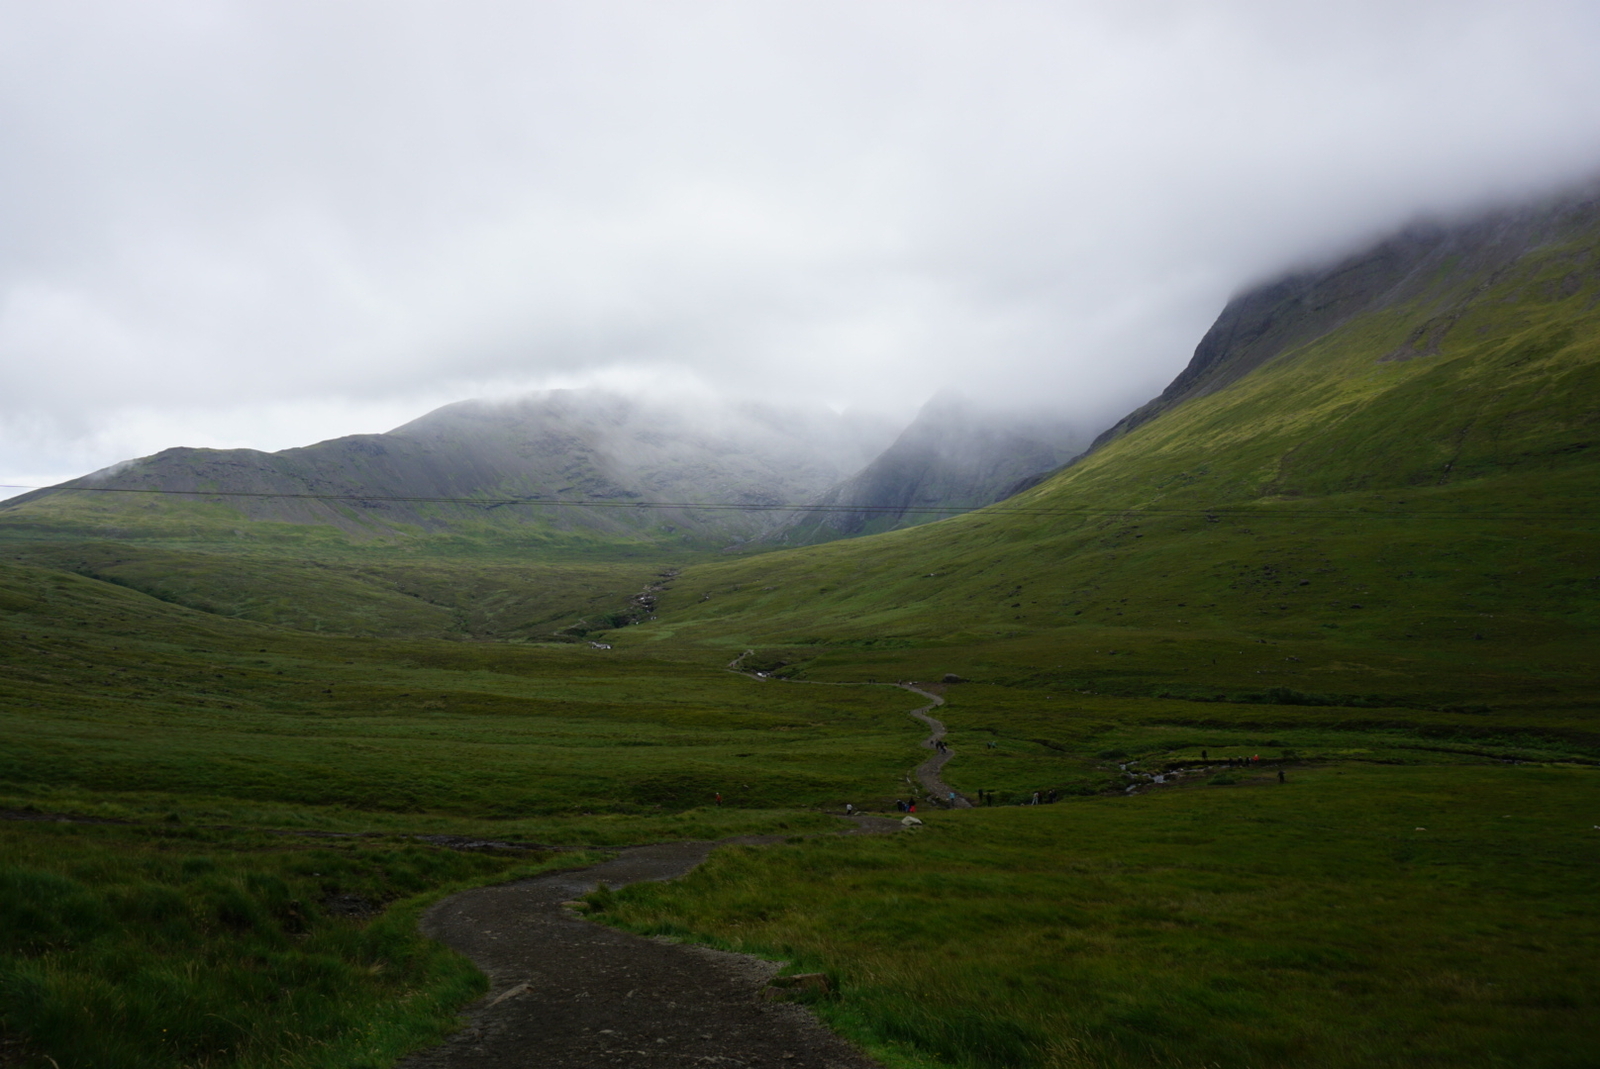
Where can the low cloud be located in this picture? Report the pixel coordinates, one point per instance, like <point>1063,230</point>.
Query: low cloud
<point>263,224</point>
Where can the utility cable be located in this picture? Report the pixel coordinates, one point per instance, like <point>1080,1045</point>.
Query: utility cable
<point>999,508</point>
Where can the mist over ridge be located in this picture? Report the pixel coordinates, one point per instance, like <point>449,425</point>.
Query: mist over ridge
<point>268,224</point>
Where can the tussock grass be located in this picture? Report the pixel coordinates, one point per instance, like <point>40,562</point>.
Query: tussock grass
<point>135,948</point>
<point>1305,924</point>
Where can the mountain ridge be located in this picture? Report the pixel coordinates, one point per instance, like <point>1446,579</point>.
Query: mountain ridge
<point>544,449</point>
<point>1408,512</point>
<point>1265,321</point>
<point>953,458</point>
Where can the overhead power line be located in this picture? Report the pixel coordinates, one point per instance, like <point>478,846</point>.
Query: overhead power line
<point>992,509</point>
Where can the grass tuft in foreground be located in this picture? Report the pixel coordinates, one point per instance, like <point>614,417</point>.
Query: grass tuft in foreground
<point>1375,916</point>
<point>127,948</point>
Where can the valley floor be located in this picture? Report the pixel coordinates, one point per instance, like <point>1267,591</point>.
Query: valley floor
<point>1416,890</point>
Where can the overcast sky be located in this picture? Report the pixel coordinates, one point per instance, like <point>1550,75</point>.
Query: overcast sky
<point>268,223</point>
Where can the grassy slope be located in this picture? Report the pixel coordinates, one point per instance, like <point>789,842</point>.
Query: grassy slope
<point>1396,592</point>
<point>1449,497</point>
<point>189,936</point>
<point>113,695</point>
<point>381,590</point>
<point>1387,515</point>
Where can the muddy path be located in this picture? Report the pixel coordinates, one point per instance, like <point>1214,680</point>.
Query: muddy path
<point>566,993</point>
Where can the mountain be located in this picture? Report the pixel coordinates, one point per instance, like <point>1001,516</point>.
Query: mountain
<point>1376,482</point>
<point>563,445</point>
<point>953,458</point>
<point>1436,265</point>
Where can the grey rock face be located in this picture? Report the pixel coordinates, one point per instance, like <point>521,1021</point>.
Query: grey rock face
<point>953,458</point>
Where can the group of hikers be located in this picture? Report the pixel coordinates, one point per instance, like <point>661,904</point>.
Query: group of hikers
<point>1049,797</point>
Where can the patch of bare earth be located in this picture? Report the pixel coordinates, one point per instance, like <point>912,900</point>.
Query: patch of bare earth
<point>566,992</point>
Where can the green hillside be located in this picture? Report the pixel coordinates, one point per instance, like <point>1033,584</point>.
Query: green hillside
<point>481,474</point>
<point>1363,518</point>
<point>124,706</point>
<point>381,590</point>
<point>1342,580</point>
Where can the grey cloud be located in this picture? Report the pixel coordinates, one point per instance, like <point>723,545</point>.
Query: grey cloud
<point>235,223</point>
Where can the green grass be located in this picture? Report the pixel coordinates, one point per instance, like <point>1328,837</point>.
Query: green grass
<point>153,947</point>
<point>1380,575</point>
<point>1311,923</point>
<point>114,696</point>
<point>1384,568</point>
<point>192,937</point>
<point>1404,533</point>
<point>382,590</point>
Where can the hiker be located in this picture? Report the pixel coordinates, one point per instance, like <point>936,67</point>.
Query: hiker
<point>1054,794</point>
<point>1280,775</point>
<point>911,807</point>
<point>849,810</point>
<point>1205,755</point>
<point>719,797</point>
<point>1035,797</point>
<point>952,799</point>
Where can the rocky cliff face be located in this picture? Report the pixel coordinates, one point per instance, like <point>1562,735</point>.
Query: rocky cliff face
<point>953,458</point>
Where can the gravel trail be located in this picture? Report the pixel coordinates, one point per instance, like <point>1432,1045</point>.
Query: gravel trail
<point>928,771</point>
<point>566,993</point>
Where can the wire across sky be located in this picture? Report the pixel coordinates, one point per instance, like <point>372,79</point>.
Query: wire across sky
<point>898,510</point>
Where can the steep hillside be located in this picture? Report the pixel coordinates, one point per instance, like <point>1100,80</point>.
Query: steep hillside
<point>1446,264</point>
<point>954,457</point>
<point>1398,505</point>
<point>559,446</point>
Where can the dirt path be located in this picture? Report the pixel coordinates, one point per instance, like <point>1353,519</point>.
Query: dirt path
<point>570,994</point>
<point>566,993</point>
<point>928,771</point>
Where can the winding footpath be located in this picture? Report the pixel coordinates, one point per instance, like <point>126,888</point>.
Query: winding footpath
<point>566,993</point>
<point>927,773</point>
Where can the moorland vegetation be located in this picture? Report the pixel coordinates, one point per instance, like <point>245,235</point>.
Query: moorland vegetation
<point>1357,545</point>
